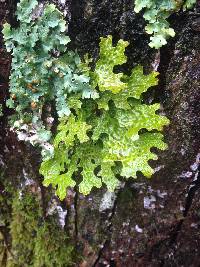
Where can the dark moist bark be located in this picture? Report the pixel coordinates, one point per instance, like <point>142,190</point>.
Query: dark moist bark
<point>147,222</point>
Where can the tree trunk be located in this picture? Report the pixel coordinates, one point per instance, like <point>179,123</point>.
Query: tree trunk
<point>145,223</point>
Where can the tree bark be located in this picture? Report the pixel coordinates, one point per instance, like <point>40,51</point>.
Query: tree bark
<point>145,223</point>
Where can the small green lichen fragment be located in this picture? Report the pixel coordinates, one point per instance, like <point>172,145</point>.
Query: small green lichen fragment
<point>189,4</point>
<point>138,83</point>
<point>109,57</point>
<point>135,154</point>
<point>53,169</point>
<point>157,12</point>
<point>70,129</point>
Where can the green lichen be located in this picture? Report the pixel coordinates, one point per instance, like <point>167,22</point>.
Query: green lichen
<point>43,71</point>
<point>100,141</point>
<point>101,112</point>
<point>156,13</point>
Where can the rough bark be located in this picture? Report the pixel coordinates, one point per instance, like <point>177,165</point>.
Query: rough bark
<point>147,222</point>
